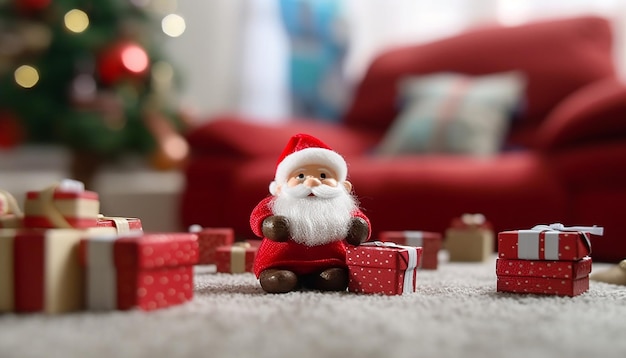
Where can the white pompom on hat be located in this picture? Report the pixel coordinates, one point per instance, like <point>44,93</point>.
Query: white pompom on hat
<point>303,149</point>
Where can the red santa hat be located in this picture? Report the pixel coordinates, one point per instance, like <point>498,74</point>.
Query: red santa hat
<point>303,149</point>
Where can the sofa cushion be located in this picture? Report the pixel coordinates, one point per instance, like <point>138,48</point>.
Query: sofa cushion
<point>556,56</point>
<point>454,113</point>
<point>240,137</point>
<point>595,113</point>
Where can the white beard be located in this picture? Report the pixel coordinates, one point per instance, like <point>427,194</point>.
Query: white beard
<point>316,220</point>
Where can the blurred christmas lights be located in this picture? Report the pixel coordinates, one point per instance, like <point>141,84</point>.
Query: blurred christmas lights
<point>26,76</point>
<point>76,20</point>
<point>173,25</point>
<point>135,59</point>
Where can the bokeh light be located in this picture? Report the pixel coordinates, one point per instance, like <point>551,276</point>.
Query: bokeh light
<point>135,59</point>
<point>76,20</point>
<point>26,76</point>
<point>173,25</point>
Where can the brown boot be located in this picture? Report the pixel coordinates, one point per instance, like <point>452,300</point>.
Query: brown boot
<point>278,281</point>
<point>331,279</point>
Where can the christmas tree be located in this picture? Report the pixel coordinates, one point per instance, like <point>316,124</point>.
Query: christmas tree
<point>89,75</point>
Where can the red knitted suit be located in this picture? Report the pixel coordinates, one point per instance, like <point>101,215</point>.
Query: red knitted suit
<point>292,256</point>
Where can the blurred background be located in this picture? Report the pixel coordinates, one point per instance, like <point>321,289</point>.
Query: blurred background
<point>105,90</point>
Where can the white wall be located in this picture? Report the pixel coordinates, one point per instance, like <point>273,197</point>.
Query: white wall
<point>219,46</point>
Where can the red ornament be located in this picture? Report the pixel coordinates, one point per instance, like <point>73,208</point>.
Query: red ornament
<point>30,6</point>
<point>122,60</point>
<point>11,131</point>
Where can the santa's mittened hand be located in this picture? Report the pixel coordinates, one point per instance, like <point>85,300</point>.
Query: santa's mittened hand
<point>276,228</point>
<point>358,231</point>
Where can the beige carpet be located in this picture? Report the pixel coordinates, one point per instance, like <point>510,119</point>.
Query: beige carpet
<point>455,313</point>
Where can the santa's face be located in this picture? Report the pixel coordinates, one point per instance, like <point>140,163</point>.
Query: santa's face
<point>317,206</point>
<point>318,179</point>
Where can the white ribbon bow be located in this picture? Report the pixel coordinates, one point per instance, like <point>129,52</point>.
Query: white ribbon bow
<point>593,230</point>
<point>528,242</point>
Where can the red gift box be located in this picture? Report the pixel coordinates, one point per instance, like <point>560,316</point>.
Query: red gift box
<point>430,242</point>
<point>148,271</point>
<point>543,243</point>
<point>209,239</point>
<point>39,269</point>
<point>544,286</point>
<point>236,258</point>
<point>383,268</point>
<point>65,205</point>
<point>544,269</point>
<point>122,225</point>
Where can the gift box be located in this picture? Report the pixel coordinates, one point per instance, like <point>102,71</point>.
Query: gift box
<point>63,205</point>
<point>543,286</point>
<point>147,271</point>
<point>469,238</point>
<point>11,216</point>
<point>122,225</point>
<point>209,239</point>
<point>40,271</point>
<point>544,269</point>
<point>11,221</point>
<point>382,268</point>
<point>236,258</point>
<point>554,242</point>
<point>430,242</point>
<point>7,300</point>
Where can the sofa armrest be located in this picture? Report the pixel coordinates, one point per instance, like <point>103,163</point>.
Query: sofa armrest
<point>596,112</point>
<point>232,135</point>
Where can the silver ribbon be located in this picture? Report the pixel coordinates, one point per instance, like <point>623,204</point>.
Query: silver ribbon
<point>528,240</point>
<point>101,273</point>
<point>414,238</point>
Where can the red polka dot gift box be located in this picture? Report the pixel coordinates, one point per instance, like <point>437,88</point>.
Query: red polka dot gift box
<point>209,239</point>
<point>547,242</point>
<point>383,268</point>
<point>547,259</point>
<point>430,242</point>
<point>563,278</point>
<point>62,205</point>
<point>236,258</point>
<point>143,270</point>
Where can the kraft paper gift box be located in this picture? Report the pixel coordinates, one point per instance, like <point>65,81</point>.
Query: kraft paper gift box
<point>40,271</point>
<point>430,242</point>
<point>63,205</point>
<point>121,224</point>
<point>469,238</point>
<point>382,268</point>
<point>209,239</point>
<point>148,271</point>
<point>11,221</point>
<point>236,258</point>
<point>547,242</point>
<point>11,216</point>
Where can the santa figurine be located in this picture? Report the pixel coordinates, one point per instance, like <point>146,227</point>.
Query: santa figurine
<point>307,221</point>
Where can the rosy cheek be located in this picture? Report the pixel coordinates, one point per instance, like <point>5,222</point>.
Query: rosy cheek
<point>292,182</point>
<point>330,182</point>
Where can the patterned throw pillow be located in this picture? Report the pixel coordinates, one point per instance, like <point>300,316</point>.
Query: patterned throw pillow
<point>454,113</point>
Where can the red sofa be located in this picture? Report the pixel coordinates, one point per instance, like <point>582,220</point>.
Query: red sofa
<point>571,168</point>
